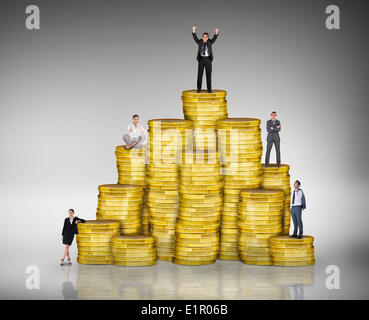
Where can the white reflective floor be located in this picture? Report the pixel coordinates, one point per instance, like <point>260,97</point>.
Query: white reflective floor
<point>222,280</point>
<point>165,280</point>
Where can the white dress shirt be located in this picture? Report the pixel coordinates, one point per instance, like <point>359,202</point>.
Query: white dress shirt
<point>206,51</point>
<point>136,132</point>
<point>298,198</point>
<point>71,220</point>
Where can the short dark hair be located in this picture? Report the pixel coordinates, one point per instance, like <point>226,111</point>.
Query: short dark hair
<point>298,182</point>
<point>206,34</point>
<point>274,112</point>
<point>135,115</point>
<point>71,210</point>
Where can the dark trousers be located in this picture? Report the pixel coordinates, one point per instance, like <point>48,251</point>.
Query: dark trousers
<point>296,213</point>
<point>277,144</point>
<point>204,63</point>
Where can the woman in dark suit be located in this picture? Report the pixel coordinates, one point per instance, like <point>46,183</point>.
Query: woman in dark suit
<point>69,230</point>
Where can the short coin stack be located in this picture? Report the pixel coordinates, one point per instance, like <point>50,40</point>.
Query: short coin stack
<point>241,150</point>
<point>133,251</point>
<point>201,202</point>
<point>121,202</point>
<point>292,252</point>
<point>260,214</point>
<point>204,109</point>
<point>169,138</point>
<point>275,177</point>
<point>93,241</point>
<point>131,166</point>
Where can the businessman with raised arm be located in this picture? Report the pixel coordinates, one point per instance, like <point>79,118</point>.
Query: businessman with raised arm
<point>204,56</point>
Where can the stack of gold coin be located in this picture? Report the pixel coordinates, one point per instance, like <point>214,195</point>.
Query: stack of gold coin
<point>241,151</point>
<point>275,177</point>
<point>169,138</point>
<point>259,218</point>
<point>133,251</point>
<point>204,109</point>
<point>163,202</point>
<point>93,241</point>
<point>131,165</point>
<point>292,252</point>
<point>121,202</point>
<point>201,202</point>
<point>228,249</point>
<point>240,142</point>
<point>145,216</point>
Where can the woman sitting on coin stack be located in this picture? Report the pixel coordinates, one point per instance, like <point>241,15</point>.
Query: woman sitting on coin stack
<point>137,135</point>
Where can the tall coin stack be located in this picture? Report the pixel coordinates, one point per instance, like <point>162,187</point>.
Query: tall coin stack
<point>291,252</point>
<point>131,166</point>
<point>260,214</point>
<point>241,150</point>
<point>204,109</point>
<point>201,202</point>
<point>169,138</point>
<point>275,177</point>
<point>93,241</point>
<point>121,202</point>
<point>133,251</point>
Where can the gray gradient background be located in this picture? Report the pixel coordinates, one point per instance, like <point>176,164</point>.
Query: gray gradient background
<point>67,93</point>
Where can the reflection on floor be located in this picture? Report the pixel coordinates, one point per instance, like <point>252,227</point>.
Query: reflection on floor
<point>165,280</point>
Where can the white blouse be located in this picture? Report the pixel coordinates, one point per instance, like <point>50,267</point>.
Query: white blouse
<point>136,132</point>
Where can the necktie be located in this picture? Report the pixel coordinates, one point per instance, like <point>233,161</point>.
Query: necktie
<point>293,198</point>
<point>203,49</point>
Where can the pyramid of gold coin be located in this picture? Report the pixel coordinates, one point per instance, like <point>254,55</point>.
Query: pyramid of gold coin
<point>197,192</point>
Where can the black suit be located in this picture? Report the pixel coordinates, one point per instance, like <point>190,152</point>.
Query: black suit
<point>204,62</point>
<point>70,229</point>
<point>273,138</point>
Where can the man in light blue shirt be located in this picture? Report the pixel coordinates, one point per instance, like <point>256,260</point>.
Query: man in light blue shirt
<point>298,203</point>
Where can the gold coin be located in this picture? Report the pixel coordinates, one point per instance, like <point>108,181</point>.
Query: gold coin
<point>228,257</point>
<point>134,263</point>
<point>176,123</point>
<point>277,259</point>
<point>193,263</point>
<point>284,239</point>
<point>293,257</point>
<point>293,263</point>
<point>273,167</point>
<point>98,224</point>
<point>91,261</point>
<point>133,239</point>
<point>257,262</point>
<point>194,94</point>
<point>133,254</point>
<point>120,188</point>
